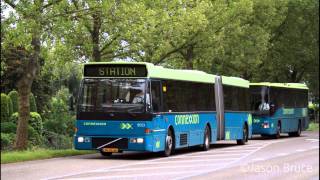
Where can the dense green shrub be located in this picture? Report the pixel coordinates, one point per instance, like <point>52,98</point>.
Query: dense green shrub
<point>33,105</point>
<point>10,106</point>
<point>58,141</point>
<point>15,102</point>
<point>8,127</point>
<point>4,108</point>
<point>35,121</point>
<point>34,138</point>
<point>7,140</point>
<point>59,119</point>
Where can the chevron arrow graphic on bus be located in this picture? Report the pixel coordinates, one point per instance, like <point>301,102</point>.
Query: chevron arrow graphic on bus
<point>126,126</point>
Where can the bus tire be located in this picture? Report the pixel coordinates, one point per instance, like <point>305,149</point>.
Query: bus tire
<point>244,136</point>
<point>206,139</point>
<point>106,154</point>
<point>278,133</point>
<point>169,144</point>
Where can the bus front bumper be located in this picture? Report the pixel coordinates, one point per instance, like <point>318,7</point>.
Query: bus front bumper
<point>152,143</point>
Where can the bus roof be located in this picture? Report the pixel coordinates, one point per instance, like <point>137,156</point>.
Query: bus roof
<point>160,72</point>
<point>282,85</point>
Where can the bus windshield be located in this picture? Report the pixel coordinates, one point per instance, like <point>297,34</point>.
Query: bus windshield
<point>112,95</point>
<point>260,100</point>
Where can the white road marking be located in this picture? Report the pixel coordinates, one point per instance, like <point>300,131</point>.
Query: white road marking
<point>300,150</point>
<point>191,161</point>
<point>312,140</point>
<point>282,154</point>
<point>243,151</point>
<point>136,175</point>
<point>224,166</point>
<point>162,167</point>
<point>218,155</point>
<point>258,159</point>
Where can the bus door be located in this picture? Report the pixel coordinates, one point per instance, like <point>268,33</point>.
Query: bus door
<point>219,107</point>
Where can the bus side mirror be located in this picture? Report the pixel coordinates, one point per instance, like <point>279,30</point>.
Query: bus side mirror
<point>71,103</point>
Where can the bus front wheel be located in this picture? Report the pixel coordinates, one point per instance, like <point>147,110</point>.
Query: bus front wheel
<point>169,144</point>
<point>244,136</point>
<point>206,139</point>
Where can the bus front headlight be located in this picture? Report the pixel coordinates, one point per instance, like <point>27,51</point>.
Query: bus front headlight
<point>80,139</point>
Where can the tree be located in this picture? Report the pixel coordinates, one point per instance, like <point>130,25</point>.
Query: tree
<point>294,54</point>
<point>22,38</point>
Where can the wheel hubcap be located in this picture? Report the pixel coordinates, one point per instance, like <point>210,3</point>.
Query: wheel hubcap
<point>169,142</point>
<point>207,140</point>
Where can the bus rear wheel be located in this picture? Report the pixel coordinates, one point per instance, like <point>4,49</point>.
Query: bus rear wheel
<point>169,144</point>
<point>206,139</point>
<point>277,136</point>
<point>244,136</point>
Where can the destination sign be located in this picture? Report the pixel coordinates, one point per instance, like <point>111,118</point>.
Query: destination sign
<point>115,70</point>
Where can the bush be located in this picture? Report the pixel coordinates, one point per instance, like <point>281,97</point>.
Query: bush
<point>34,137</point>
<point>10,106</point>
<point>14,118</point>
<point>33,105</point>
<point>7,140</point>
<point>59,119</point>
<point>8,127</point>
<point>15,102</point>
<point>35,121</point>
<point>58,141</point>
<point>4,108</point>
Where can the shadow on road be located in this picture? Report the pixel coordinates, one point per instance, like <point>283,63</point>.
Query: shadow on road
<point>150,155</point>
<point>283,136</point>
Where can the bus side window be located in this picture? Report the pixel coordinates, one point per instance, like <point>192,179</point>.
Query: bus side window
<point>156,96</point>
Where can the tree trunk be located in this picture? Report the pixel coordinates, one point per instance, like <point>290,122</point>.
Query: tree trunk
<point>96,53</point>
<point>188,57</point>
<point>24,88</point>
<point>24,115</point>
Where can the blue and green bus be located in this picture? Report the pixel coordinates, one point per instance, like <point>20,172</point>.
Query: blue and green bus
<point>279,108</point>
<point>137,106</point>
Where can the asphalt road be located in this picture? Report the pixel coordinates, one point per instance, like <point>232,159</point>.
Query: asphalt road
<point>262,158</point>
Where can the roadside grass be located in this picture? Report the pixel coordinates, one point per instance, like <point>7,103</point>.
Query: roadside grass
<point>313,127</point>
<point>27,155</point>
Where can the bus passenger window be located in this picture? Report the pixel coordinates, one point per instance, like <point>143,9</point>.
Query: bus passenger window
<point>155,93</point>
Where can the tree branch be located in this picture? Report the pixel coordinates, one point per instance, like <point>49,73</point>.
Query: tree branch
<point>10,3</point>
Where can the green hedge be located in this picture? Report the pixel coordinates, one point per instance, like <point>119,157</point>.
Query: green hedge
<point>4,108</point>
<point>33,105</point>
<point>8,127</point>
<point>15,102</point>
<point>7,140</point>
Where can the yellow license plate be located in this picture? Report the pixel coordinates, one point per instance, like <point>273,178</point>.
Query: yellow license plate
<point>113,150</point>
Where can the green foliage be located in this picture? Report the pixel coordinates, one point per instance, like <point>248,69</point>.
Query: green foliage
<point>34,138</point>
<point>58,141</point>
<point>10,106</point>
<point>15,102</point>
<point>33,105</point>
<point>7,140</point>
<point>4,108</point>
<point>35,121</point>
<point>8,127</point>
<point>59,120</point>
